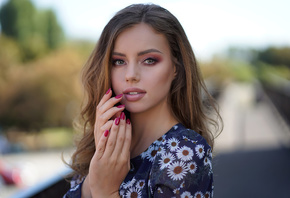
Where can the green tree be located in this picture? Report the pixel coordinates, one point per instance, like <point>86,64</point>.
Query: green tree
<point>17,18</point>
<point>275,56</point>
<point>49,29</point>
<point>36,32</point>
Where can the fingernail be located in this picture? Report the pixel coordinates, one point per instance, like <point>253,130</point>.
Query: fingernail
<point>122,116</point>
<point>117,121</point>
<point>121,106</point>
<point>106,133</point>
<point>119,96</point>
<point>128,121</point>
<point>108,91</point>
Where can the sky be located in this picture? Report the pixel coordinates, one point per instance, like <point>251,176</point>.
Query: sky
<point>212,26</point>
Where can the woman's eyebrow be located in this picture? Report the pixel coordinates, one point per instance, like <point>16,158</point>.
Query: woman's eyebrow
<point>118,54</point>
<point>148,51</point>
<point>140,53</point>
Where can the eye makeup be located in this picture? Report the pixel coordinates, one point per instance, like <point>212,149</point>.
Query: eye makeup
<point>117,61</point>
<point>150,61</point>
<point>148,57</point>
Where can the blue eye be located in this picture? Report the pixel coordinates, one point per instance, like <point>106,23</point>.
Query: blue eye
<point>118,62</point>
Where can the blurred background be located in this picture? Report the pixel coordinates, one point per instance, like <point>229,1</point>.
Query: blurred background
<point>243,49</point>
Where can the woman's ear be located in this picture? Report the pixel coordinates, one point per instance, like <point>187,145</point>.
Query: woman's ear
<point>174,62</point>
<point>175,71</point>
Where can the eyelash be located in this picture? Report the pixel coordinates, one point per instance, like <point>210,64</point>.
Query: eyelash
<point>152,60</point>
<point>117,60</point>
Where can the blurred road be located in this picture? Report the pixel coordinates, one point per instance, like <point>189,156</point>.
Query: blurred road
<point>36,167</point>
<point>249,124</point>
<point>252,155</point>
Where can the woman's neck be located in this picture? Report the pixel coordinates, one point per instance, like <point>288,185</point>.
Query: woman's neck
<point>149,126</point>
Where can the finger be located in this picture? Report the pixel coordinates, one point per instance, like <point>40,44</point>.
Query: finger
<point>106,97</point>
<point>107,103</point>
<point>106,126</point>
<point>118,114</point>
<point>128,136</point>
<point>121,135</point>
<point>112,138</point>
<point>100,149</point>
<point>109,114</point>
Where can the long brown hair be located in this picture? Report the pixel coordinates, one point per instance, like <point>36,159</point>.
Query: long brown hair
<point>189,98</point>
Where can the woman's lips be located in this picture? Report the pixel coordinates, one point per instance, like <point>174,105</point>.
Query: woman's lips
<point>134,94</point>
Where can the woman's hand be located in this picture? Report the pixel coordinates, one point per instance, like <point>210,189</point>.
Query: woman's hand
<point>111,161</point>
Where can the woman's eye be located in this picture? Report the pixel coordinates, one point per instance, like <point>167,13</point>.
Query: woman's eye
<point>118,62</point>
<point>150,61</point>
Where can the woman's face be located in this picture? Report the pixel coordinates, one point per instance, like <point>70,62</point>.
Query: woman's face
<point>142,69</point>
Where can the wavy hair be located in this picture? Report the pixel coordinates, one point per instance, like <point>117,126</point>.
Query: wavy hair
<point>190,102</point>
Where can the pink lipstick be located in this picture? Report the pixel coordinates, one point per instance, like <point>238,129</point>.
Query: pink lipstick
<point>134,94</point>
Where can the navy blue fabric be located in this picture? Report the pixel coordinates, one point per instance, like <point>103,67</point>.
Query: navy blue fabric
<point>176,165</point>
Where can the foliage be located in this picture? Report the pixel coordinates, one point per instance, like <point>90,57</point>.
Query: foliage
<point>47,138</point>
<point>223,70</point>
<point>36,32</point>
<point>10,55</point>
<point>273,75</point>
<point>42,93</point>
<point>275,56</point>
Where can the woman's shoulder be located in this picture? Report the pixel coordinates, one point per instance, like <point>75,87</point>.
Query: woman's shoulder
<point>180,135</point>
<point>182,163</point>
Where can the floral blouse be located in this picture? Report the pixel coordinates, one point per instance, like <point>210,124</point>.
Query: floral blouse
<point>178,164</point>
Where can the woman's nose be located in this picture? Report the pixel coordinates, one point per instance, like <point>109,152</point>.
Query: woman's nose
<point>132,73</point>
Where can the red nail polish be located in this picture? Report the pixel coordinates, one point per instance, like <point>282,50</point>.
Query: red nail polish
<point>119,96</point>
<point>122,116</point>
<point>121,106</point>
<point>128,121</point>
<point>106,133</point>
<point>117,121</point>
<point>108,91</point>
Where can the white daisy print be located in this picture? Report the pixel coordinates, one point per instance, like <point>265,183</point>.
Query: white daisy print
<point>161,150</point>
<point>194,142</point>
<point>206,161</point>
<point>186,194</point>
<point>133,192</point>
<point>182,185</point>
<point>185,153</point>
<point>198,195</point>
<point>200,150</point>
<point>173,144</point>
<point>209,153</point>
<point>176,191</point>
<point>132,182</point>
<point>144,154</point>
<point>140,184</point>
<point>160,139</point>
<point>121,192</point>
<point>192,167</point>
<point>177,170</point>
<point>207,195</point>
<point>159,190</point>
<point>166,160</point>
<point>185,138</point>
<point>163,139</point>
<point>125,184</point>
<point>175,127</point>
<point>151,153</point>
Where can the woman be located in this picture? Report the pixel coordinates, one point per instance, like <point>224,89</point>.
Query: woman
<point>146,128</point>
